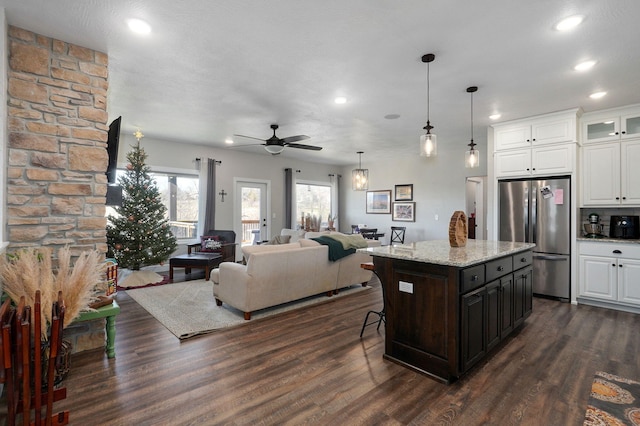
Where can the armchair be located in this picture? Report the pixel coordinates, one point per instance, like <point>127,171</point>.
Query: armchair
<point>207,260</point>
<point>226,238</point>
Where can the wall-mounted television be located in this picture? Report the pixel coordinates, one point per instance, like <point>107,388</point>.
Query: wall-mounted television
<point>112,149</point>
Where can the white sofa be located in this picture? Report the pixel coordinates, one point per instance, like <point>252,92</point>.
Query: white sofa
<point>276,274</point>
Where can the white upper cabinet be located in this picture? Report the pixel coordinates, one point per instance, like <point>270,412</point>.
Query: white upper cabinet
<point>611,125</point>
<point>537,146</point>
<point>546,129</point>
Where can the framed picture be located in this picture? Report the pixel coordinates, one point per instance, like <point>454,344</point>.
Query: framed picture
<point>404,211</point>
<point>404,192</point>
<point>379,201</point>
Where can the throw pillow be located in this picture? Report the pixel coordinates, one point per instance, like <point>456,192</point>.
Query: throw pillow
<point>210,244</point>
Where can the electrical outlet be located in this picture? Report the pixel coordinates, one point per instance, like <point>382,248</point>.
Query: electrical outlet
<point>405,287</point>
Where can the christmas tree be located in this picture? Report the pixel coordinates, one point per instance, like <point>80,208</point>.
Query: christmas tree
<point>139,235</point>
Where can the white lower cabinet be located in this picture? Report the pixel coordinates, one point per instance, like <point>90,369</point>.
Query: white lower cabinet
<point>610,272</point>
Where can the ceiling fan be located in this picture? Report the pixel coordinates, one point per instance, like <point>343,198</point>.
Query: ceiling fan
<point>274,145</point>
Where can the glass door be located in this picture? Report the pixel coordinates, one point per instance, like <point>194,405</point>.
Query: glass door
<point>251,211</point>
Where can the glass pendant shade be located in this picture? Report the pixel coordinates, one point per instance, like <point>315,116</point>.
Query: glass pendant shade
<point>360,176</point>
<point>428,145</point>
<point>472,159</point>
<point>428,141</point>
<point>472,156</point>
<point>360,179</point>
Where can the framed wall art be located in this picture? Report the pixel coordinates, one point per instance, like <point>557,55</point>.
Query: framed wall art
<point>379,202</point>
<point>404,192</point>
<point>404,211</point>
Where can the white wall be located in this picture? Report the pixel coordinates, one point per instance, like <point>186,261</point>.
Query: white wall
<point>438,190</point>
<point>438,183</point>
<point>164,155</point>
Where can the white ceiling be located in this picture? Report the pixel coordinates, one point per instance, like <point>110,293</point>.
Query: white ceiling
<point>211,69</point>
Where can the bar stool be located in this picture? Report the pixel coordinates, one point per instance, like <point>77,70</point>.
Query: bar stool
<point>397,234</point>
<point>381,315</point>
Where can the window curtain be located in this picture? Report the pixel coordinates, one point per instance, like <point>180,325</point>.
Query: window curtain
<point>288,198</point>
<point>210,206</point>
<point>336,208</point>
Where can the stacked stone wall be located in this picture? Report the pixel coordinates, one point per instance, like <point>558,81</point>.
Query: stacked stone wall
<point>57,158</point>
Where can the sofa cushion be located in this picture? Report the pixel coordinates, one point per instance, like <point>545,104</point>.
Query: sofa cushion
<point>295,234</point>
<point>279,239</point>
<point>308,243</point>
<point>210,244</point>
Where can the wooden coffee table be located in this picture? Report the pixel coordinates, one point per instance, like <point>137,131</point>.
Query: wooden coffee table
<point>206,261</point>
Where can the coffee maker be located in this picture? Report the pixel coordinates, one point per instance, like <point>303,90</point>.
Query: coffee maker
<point>594,228</point>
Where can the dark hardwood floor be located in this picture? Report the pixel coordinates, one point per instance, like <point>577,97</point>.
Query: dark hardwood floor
<point>310,367</point>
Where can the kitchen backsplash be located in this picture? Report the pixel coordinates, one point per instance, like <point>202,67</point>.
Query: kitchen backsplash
<point>605,216</point>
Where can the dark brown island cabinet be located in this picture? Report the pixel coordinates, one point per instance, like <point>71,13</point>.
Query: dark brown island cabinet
<point>448,307</point>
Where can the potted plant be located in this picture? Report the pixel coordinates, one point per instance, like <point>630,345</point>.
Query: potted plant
<point>27,270</point>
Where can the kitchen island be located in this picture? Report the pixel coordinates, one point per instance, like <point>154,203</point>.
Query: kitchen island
<point>448,307</point>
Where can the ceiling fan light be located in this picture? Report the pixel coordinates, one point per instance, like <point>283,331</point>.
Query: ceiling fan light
<point>428,145</point>
<point>274,149</point>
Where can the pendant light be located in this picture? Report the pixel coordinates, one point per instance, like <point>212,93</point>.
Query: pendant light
<point>428,144</point>
<point>472,157</point>
<point>360,176</point>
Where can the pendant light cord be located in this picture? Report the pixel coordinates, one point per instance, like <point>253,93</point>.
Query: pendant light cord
<point>471,119</point>
<point>427,94</point>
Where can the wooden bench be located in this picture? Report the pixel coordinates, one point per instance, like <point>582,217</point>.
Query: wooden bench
<point>109,313</point>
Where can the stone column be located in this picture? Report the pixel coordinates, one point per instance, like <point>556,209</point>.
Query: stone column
<point>57,158</point>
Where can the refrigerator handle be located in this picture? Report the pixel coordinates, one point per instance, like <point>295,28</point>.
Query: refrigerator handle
<point>526,209</point>
<point>551,257</point>
<point>534,214</point>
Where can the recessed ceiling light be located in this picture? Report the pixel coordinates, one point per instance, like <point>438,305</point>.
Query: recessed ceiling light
<point>138,26</point>
<point>340,100</point>
<point>583,66</point>
<point>569,23</point>
<point>495,116</point>
<point>228,141</point>
<point>597,95</point>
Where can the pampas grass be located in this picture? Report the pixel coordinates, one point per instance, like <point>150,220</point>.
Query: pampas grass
<point>26,271</point>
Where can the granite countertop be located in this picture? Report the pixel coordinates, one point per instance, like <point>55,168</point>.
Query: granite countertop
<point>441,253</point>
<point>609,240</point>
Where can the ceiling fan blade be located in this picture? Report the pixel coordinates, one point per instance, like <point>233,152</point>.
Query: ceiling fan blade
<point>301,146</point>
<point>294,139</point>
<point>243,146</point>
<point>250,137</point>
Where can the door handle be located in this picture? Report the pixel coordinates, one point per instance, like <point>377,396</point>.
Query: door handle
<point>617,252</point>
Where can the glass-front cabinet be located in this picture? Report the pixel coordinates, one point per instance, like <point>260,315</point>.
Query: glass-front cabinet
<point>611,125</point>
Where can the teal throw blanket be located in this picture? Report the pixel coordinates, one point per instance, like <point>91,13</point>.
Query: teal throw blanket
<point>336,251</point>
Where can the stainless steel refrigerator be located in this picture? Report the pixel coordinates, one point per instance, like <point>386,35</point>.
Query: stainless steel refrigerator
<point>539,211</point>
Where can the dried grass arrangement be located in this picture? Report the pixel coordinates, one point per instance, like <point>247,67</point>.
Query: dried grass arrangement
<point>25,271</point>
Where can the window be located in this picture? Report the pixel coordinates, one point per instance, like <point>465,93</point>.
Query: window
<point>180,195</point>
<point>313,201</point>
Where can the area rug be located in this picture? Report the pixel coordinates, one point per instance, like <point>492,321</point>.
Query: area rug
<point>188,309</point>
<point>614,400</point>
